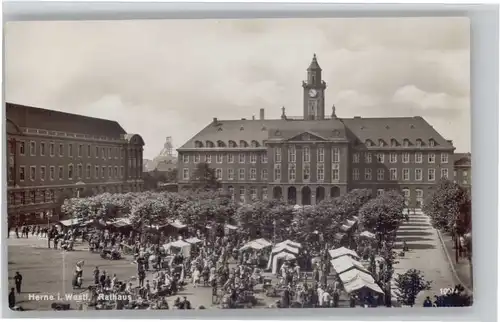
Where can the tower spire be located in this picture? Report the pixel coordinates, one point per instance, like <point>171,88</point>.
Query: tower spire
<point>314,64</point>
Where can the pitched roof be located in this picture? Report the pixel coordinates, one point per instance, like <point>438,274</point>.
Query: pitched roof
<point>262,130</point>
<point>40,118</point>
<point>314,64</point>
<point>398,128</point>
<point>463,159</point>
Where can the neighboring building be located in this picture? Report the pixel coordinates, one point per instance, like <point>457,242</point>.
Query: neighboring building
<point>165,161</point>
<point>313,157</point>
<point>462,170</point>
<point>53,154</point>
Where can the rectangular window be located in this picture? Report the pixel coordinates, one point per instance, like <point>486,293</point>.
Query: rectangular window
<point>96,151</point>
<point>70,150</point>
<point>406,174</point>
<point>393,158</point>
<point>368,157</point>
<point>103,172</point>
<point>80,150</point>
<point>185,158</point>
<point>208,158</point>
<point>80,171</point>
<point>264,193</point>
<point>393,174</point>
<point>321,155</point>
<point>61,172</point>
<point>406,157</point>
<point>52,172</point>
<point>355,174</point>
<point>42,173</point>
<point>96,172</point>
<point>241,174</point>
<point>253,174</point>
<point>32,148</point>
<point>230,158</point>
<point>335,155</point>
<point>197,158</point>
<point>32,173</point>
<point>70,172</point>
<point>42,149</point>
<point>117,153</point>
<point>380,192</point>
<point>292,154</point>
<point>418,157</point>
<point>444,157</point>
<point>306,154</point>
<point>110,153</point>
<point>110,171</point>
<point>277,155</point>
<point>122,172</point>
<point>242,194</point>
<point>89,151</point>
<point>277,172</point>
<point>241,158</point>
<point>22,173</point>
<point>380,174</point>
<point>306,171</point>
<point>219,158</point>
<point>368,174</point>
<point>444,173</point>
<point>253,193</point>
<point>291,172</point>
<point>418,174</point>
<point>88,170</point>
<point>264,174</point>
<point>22,148</point>
<point>52,149</point>
<point>185,174</point>
<point>355,158</point>
<point>253,158</point>
<point>263,158</point>
<point>11,173</point>
<point>218,174</point>
<point>380,157</point>
<point>321,172</point>
<point>103,153</point>
<point>431,173</point>
<point>230,174</point>
<point>432,158</point>
<point>335,172</point>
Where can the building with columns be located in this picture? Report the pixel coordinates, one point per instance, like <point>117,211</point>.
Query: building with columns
<point>316,156</point>
<point>52,155</point>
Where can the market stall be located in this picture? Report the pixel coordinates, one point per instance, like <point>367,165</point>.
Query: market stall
<point>178,246</point>
<point>281,252</point>
<point>343,251</point>
<point>345,263</point>
<point>257,244</point>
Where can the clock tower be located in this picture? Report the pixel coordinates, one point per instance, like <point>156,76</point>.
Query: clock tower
<point>314,93</point>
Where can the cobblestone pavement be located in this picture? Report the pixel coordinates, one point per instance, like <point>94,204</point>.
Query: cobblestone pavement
<point>426,254</point>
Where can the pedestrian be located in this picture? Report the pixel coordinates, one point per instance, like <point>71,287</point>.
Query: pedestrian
<point>18,280</point>
<point>427,302</point>
<point>16,230</point>
<point>142,277</point>
<point>12,298</point>
<point>96,275</point>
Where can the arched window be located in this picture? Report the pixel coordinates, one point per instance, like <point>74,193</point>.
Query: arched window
<point>232,144</point>
<point>394,142</point>
<point>255,144</point>
<point>406,143</point>
<point>368,142</point>
<point>221,144</point>
<point>243,144</point>
<point>209,144</point>
<point>419,142</point>
<point>198,144</point>
<point>381,143</point>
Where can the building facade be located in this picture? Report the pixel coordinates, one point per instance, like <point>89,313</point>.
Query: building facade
<point>309,158</point>
<point>462,170</point>
<point>53,155</point>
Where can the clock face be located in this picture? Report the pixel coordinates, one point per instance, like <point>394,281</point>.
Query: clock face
<point>313,93</point>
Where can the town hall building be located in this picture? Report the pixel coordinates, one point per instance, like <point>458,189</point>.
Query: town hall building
<point>319,156</point>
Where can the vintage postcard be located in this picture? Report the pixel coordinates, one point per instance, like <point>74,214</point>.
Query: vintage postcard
<point>220,164</point>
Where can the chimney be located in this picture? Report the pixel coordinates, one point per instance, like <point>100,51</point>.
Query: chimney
<point>253,117</point>
<point>243,119</point>
<point>261,114</point>
<point>215,120</point>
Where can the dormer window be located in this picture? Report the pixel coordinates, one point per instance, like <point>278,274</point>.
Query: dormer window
<point>432,143</point>
<point>412,126</point>
<point>406,143</point>
<point>419,143</point>
<point>242,128</point>
<point>368,143</point>
<point>232,144</point>
<point>210,144</point>
<point>221,144</point>
<point>255,144</point>
<point>394,143</point>
<point>243,144</point>
<point>381,143</point>
<point>198,144</point>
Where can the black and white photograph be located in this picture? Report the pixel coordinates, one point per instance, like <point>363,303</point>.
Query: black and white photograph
<point>238,164</point>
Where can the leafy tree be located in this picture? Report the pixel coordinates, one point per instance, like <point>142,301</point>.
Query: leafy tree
<point>409,285</point>
<point>204,178</point>
<point>449,208</point>
<point>382,215</point>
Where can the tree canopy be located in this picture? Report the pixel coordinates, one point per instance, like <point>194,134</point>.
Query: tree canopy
<point>409,285</point>
<point>204,178</point>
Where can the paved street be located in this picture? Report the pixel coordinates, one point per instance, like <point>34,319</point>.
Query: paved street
<point>426,254</point>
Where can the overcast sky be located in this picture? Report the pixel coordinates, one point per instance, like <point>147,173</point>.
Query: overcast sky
<point>171,77</point>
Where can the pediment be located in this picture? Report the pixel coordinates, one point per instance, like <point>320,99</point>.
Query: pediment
<point>307,136</point>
